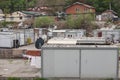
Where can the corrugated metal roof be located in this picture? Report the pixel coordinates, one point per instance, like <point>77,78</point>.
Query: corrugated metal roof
<point>31,13</point>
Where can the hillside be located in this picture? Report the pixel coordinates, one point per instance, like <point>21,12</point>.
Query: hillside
<point>50,2</point>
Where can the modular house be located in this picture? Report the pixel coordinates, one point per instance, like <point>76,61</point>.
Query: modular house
<point>112,35</point>
<point>23,37</point>
<point>79,61</point>
<point>9,39</point>
<point>67,33</point>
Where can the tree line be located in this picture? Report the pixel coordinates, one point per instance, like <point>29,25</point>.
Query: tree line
<point>9,6</point>
<point>100,5</point>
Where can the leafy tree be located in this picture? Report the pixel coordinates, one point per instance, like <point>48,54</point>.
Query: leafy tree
<point>43,21</point>
<point>70,22</point>
<point>81,22</point>
<point>31,3</point>
<point>15,5</point>
<point>69,2</point>
<point>116,6</point>
<point>78,21</point>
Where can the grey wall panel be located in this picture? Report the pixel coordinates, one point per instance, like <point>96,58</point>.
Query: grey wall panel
<point>48,63</point>
<point>99,63</point>
<point>67,63</point>
<point>61,63</point>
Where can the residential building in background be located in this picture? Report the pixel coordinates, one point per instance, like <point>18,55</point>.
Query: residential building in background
<point>79,8</point>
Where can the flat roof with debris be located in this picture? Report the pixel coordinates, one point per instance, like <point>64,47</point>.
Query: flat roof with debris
<point>78,46</point>
<point>59,40</point>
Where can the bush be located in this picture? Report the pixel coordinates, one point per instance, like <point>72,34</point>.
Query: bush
<point>43,21</point>
<point>13,78</point>
<point>79,21</point>
<point>40,79</point>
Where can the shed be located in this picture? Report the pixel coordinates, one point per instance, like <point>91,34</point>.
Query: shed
<point>113,35</point>
<point>79,61</point>
<point>75,33</point>
<point>9,39</point>
<point>69,33</point>
<point>58,33</point>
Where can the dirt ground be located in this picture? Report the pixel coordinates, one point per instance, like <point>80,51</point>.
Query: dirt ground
<point>18,68</point>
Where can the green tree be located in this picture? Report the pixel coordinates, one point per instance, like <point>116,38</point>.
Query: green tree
<point>31,3</point>
<point>116,6</point>
<point>43,22</point>
<point>15,5</point>
<point>70,22</point>
<point>81,22</point>
<point>69,2</point>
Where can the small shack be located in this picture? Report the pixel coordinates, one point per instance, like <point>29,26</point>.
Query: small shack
<point>112,35</point>
<point>9,39</point>
<point>69,33</point>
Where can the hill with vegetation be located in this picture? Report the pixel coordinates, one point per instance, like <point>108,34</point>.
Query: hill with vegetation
<point>100,5</point>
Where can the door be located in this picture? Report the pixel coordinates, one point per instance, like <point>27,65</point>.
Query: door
<point>66,63</point>
<point>60,63</point>
<point>98,63</point>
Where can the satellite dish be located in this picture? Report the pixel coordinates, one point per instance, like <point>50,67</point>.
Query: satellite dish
<point>39,42</point>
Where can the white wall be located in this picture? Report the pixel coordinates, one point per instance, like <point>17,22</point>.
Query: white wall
<point>6,40</point>
<point>108,34</point>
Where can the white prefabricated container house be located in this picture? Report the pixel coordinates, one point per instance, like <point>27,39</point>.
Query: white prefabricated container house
<point>58,33</point>
<point>75,33</point>
<point>7,39</point>
<point>69,33</point>
<point>113,35</point>
<point>79,61</point>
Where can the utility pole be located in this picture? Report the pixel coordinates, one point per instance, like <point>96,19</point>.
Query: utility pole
<point>110,8</point>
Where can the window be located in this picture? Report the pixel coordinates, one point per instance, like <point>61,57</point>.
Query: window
<point>77,10</point>
<point>69,36</point>
<point>85,10</point>
<point>90,10</point>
